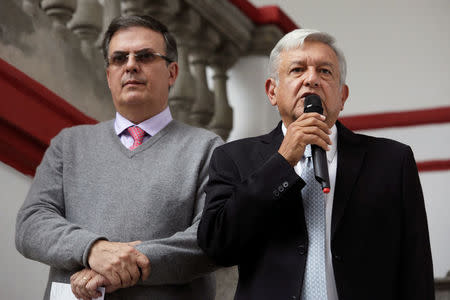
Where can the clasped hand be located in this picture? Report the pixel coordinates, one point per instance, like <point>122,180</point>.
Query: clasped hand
<point>113,265</point>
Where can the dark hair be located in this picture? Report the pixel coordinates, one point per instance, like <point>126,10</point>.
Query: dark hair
<point>140,21</point>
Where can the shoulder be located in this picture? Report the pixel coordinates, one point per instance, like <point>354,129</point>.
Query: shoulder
<point>84,132</point>
<point>244,148</point>
<point>87,129</point>
<point>382,152</point>
<point>371,143</point>
<point>196,141</point>
<point>243,143</point>
<point>383,145</point>
<point>182,131</point>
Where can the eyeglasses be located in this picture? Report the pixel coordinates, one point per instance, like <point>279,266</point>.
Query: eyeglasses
<point>143,57</point>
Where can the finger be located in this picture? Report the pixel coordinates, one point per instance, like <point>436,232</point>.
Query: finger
<point>74,289</point>
<point>311,119</point>
<point>144,264</point>
<point>309,126</point>
<point>82,291</point>
<point>96,282</point>
<point>135,274</point>
<point>125,278</point>
<point>74,276</point>
<point>112,276</point>
<point>134,243</point>
<point>314,133</point>
<point>78,292</point>
<point>316,140</point>
<point>115,279</point>
<point>93,285</point>
<point>311,115</point>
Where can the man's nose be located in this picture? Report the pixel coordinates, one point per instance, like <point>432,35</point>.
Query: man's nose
<point>312,78</point>
<point>132,65</point>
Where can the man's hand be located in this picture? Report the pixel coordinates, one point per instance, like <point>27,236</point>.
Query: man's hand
<point>309,128</point>
<point>120,263</point>
<point>85,283</point>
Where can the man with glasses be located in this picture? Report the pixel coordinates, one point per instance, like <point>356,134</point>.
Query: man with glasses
<point>117,204</point>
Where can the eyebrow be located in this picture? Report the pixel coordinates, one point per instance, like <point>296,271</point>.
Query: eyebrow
<point>327,64</point>
<point>137,51</point>
<point>303,62</point>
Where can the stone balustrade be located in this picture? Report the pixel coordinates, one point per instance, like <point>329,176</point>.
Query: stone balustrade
<point>209,34</point>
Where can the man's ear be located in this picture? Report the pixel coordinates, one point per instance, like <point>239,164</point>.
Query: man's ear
<point>344,95</point>
<point>107,77</point>
<point>271,86</point>
<point>173,72</point>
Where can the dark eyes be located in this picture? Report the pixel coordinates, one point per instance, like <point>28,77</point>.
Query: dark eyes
<point>297,70</point>
<point>324,71</point>
<point>141,57</point>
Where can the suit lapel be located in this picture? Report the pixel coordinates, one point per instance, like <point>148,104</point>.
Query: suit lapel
<point>351,152</point>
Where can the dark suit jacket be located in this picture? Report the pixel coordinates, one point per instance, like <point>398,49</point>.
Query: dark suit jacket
<point>254,218</point>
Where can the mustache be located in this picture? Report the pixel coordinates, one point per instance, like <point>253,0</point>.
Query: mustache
<point>132,79</point>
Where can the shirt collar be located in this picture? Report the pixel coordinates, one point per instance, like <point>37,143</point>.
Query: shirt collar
<point>151,126</point>
<point>333,136</point>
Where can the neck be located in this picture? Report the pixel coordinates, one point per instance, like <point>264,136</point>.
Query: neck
<point>137,116</point>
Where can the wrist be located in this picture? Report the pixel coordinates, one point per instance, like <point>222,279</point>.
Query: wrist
<point>289,160</point>
<point>94,247</point>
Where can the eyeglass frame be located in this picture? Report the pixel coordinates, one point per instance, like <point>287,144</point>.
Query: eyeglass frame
<point>136,56</point>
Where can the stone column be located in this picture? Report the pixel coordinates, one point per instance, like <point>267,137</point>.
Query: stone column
<point>203,107</point>
<point>182,95</point>
<point>222,121</point>
<point>86,24</point>
<point>111,9</point>
<point>60,11</point>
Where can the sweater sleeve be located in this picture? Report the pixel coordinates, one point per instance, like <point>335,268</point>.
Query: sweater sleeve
<point>42,231</point>
<point>178,259</point>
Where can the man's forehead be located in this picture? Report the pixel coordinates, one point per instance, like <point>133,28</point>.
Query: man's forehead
<point>310,50</point>
<point>137,37</point>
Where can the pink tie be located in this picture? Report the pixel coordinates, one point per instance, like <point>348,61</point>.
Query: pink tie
<point>138,136</point>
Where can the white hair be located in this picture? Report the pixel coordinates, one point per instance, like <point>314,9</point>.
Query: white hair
<point>295,39</point>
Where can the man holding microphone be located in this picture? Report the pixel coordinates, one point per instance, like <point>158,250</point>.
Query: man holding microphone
<point>266,212</point>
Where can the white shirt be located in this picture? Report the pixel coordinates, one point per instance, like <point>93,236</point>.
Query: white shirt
<point>332,165</point>
<point>151,126</point>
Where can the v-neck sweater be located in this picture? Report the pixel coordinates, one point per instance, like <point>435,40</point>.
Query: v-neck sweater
<point>89,186</point>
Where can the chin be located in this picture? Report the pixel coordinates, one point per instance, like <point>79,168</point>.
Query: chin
<point>135,98</point>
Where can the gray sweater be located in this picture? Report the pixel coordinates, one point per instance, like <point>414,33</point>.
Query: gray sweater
<point>89,186</point>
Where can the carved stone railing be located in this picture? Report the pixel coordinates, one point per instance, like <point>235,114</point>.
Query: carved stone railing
<point>210,34</point>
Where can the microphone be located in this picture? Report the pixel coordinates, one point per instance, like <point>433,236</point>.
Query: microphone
<point>314,104</point>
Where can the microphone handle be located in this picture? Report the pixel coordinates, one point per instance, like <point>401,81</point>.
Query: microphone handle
<point>321,169</point>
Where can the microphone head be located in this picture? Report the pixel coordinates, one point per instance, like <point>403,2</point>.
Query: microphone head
<point>313,103</point>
